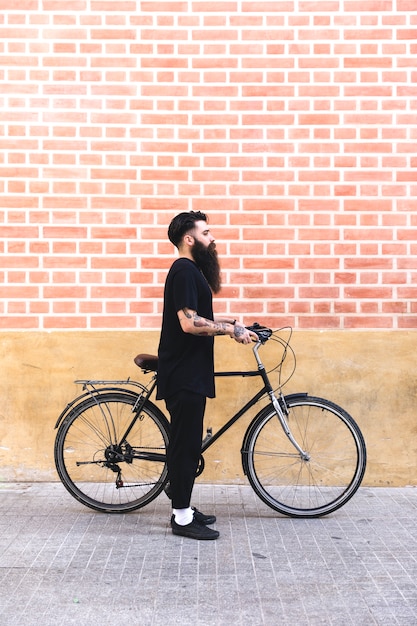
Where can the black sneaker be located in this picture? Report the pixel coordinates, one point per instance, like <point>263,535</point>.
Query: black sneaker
<point>203,519</point>
<point>194,530</point>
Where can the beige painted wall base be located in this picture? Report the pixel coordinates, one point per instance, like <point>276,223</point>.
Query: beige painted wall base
<point>370,374</point>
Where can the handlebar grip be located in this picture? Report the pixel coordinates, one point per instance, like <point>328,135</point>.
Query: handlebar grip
<point>263,332</point>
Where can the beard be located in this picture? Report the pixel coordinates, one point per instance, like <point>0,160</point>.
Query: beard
<point>207,261</point>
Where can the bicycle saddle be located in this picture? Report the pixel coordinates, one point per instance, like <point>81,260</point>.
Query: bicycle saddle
<point>147,362</point>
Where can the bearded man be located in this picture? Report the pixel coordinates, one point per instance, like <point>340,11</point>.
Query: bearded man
<point>185,361</point>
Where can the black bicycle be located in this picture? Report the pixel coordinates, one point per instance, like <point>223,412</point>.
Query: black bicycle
<point>303,456</point>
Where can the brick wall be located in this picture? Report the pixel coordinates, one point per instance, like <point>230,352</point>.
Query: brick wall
<point>292,123</point>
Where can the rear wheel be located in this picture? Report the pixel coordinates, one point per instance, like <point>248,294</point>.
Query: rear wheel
<point>100,468</point>
<point>295,486</point>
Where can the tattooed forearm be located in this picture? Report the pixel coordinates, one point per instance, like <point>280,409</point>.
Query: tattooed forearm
<point>221,329</point>
<point>204,326</point>
<point>202,322</point>
<point>192,322</point>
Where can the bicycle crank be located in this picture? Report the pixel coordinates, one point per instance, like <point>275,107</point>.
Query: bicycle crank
<point>200,467</point>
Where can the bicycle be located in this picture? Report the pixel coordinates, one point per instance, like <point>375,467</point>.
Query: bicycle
<point>304,456</point>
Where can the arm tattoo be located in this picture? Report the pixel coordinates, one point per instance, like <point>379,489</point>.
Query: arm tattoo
<point>238,331</point>
<point>202,322</point>
<point>220,328</point>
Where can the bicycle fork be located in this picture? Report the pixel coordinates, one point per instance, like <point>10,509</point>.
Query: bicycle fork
<point>281,413</point>
<point>284,423</point>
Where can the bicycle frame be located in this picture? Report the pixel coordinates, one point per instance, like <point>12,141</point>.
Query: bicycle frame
<point>146,392</point>
<point>267,389</point>
<point>281,411</point>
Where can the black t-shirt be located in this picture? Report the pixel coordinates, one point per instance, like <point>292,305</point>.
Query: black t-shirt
<point>185,360</point>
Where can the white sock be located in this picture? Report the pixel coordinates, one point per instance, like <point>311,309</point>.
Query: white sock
<point>183,516</point>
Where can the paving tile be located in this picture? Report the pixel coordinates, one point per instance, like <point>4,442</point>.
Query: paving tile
<point>61,563</point>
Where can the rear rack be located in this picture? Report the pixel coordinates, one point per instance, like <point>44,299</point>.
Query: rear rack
<point>94,383</point>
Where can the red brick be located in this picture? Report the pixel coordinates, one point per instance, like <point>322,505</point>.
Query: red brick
<point>56,322</point>
<point>73,261</point>
<point>18,322</point>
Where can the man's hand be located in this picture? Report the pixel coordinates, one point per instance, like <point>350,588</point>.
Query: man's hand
<point>242,334</point>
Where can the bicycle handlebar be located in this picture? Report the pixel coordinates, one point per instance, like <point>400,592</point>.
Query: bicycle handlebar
<point>263,332</point>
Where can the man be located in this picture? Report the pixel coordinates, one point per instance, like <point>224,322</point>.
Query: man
<point>185,361</point>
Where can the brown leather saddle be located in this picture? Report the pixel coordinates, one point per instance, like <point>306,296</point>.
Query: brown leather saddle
<point>147,362</point>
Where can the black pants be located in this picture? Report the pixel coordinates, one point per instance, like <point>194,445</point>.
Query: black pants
<point>187,413</point>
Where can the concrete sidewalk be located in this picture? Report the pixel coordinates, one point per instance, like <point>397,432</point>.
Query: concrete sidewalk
<point>62,563</point>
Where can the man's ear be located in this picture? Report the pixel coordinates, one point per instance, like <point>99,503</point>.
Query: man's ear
<point>188,240</point>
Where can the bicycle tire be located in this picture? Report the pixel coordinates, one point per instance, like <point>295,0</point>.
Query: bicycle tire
<point>305,488</point>
<point>89,455</point>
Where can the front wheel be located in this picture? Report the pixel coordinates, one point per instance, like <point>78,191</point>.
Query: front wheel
<point>111,457</point>
<point>297,486</point>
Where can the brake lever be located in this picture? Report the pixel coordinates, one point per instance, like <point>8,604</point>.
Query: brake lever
<point>263,332</point>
